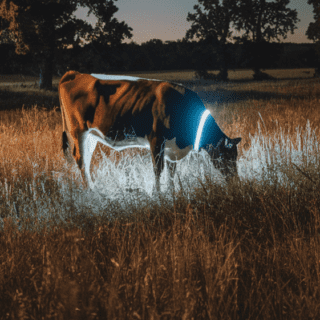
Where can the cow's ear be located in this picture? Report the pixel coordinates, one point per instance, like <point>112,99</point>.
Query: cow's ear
<point>236,140</point>
<point>220,143</point>
<point>230,143</point>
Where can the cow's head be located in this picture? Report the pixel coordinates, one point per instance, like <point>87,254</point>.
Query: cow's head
<point>224,156</point>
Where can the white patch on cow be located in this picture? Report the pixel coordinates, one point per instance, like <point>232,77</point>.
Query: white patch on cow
<point>173,153</point>
<point>119,77</point>
<point>200,128</point>
<point>90,138</point>
<point>88,143</point>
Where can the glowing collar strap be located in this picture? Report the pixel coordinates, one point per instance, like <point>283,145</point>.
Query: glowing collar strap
<point>200,128</point>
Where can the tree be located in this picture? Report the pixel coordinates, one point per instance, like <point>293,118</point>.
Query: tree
<point>262,22</point>
<point>6,36</point>
<point>156,49</point>
<point>212,25</point>
<point>42,26</point>
<point>313,32</point>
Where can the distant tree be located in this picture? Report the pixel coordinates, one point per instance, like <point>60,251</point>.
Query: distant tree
<point>262,22</point>
<point>137,58</point>
<point>42,26</point>
<point>7,46</point>
<point>313,32</point>
<point>6,36</point>
<point>262,55</point>
<point>212,25</point>
<point>156,50</point>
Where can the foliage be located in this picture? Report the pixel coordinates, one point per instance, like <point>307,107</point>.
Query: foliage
<point>212,25</point>
<point>313,31</point>
<point>213,21</point>
<point>266,21</point>
<point>178,55</point>
<point>42,27</point>
<point>261,22</point>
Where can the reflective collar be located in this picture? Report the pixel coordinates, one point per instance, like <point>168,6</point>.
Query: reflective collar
<point>200,129</point>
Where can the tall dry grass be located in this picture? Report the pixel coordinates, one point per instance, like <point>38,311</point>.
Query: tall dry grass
<point>247,250</point>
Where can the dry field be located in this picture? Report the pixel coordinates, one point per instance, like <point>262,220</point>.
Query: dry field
<point>247,250</point>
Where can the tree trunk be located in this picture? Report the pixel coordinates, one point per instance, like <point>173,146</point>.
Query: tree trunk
<point>40,78</point>
<point>223,74</point>
<point>258,40</point>
<point>47,69</point>
<point>48,54</point>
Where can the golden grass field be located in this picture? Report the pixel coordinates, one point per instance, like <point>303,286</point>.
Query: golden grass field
<point>247,250</point>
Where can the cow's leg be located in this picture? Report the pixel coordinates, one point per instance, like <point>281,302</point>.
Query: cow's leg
<point>77,152</point>
<point>172,170</point>
<point>157,152</point>
<point>158,165</point>
<point>65,144</point>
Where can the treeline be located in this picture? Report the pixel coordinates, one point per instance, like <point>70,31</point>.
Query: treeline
<point>42,30</point>
<point>156,55</point>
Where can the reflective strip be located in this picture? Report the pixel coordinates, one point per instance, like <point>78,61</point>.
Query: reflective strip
<point>119,77</point>
<point>200,128</point>
<point>89,140</point>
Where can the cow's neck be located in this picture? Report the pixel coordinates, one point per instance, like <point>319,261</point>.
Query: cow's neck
<point>211,133</point>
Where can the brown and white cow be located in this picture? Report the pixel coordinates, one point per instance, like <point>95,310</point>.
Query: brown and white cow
<point>124,111</point>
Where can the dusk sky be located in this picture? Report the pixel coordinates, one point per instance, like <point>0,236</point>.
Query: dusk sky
<point>166,19</point>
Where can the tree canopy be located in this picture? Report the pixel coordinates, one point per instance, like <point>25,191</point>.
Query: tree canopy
<point>313,31</point>
<point>259,21</point>
<point>43,26</point>
<point>262,20</point>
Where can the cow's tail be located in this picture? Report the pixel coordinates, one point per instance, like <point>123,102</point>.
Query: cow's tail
<point>66,146</point>
<point>65,140</point>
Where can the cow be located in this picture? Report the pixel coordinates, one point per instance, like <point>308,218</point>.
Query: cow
<point>124,111</point>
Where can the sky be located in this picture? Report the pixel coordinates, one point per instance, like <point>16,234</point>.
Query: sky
<point>166,19</point>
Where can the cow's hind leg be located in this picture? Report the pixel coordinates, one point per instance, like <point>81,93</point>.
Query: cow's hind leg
<point>68,156</point>
<point>64,142</point>
<point>66,147</point>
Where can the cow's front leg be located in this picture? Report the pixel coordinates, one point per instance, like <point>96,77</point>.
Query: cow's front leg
<point>79,151</point>
<point>172,170</point>
<point>157,152</point>
<point>79,161</point>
